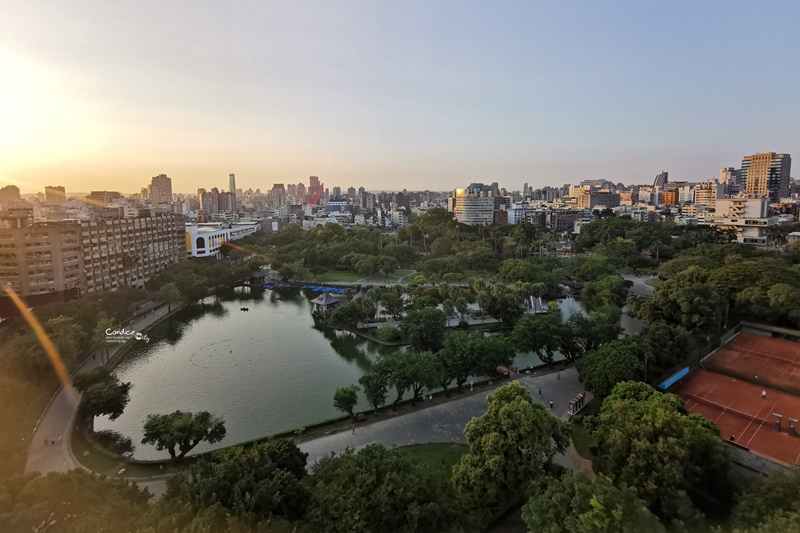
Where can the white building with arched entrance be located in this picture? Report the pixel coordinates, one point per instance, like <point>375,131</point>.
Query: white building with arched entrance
<point>206,239</point>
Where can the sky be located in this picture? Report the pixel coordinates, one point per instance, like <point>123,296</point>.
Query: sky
<point>416,94</point>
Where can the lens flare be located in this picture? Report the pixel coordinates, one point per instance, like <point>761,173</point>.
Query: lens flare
<point>47,344</point>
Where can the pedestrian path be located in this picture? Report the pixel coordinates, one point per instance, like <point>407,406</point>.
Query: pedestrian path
<point>445,422</point>
<point>59,416</point>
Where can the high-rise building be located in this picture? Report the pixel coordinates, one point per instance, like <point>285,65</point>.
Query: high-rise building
<point>55,195</point>
<point>160,192</point>
<point>9,194</point>
<point>474,206</point>
<point>767,174</point>
<point>661,179</point>
<point>232,184</point>
<point>102,198</point>
<point>278,195</point>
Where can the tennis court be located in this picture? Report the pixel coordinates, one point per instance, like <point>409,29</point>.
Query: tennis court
<point>773,362</point>
<point>738,409</point>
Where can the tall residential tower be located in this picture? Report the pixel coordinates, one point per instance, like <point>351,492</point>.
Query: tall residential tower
<point>767,174</point>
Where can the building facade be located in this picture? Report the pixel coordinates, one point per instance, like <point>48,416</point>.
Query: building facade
<point>160,192</point>
<point>473,207</point>
<point>767,174</point>
<point>206,240</point>
<point>120,252</point>
<point>37,258</point>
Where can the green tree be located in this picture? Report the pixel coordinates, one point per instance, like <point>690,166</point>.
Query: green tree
<point>509,446</point>
<point>540,333</point>
<point>764,499</point>
<point>375,384</point>
<point>688,300</point>
<point>424,329</point>
<point>377,489</point>
<point>100,336</point>
<point>611,363</point>
<point>74,501</point>
<point>182,430</point>
<point>393,303</point>
<point>577,503</point>
<point>606,291</point>
<point>345,399</point>
<point>169,292</point>
<point>647,441</point>
<point>251,483</point>
<point>102,393</point>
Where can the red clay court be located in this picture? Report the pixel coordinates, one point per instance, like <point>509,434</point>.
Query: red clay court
<point>773,362</point>
<point>738,409</point>
<point>727,390</point>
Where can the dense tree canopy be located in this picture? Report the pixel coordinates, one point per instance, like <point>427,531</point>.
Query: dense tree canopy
<point>75,502</point>
<point>510,445</point>
<point>253,483</point>
<point>647,441</point>
<point>577,503</point>
<point>377,489</point>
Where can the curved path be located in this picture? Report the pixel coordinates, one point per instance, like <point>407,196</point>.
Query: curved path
<point>59,416</point>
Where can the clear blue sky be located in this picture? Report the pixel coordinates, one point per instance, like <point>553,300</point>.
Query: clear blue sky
<point>416,94</point>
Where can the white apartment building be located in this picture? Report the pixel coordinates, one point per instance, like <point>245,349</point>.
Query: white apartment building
<point>206,239</point>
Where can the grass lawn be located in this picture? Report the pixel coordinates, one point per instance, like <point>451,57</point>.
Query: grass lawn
<point>580,437</point>
<point>382,279</point>
<point>336,275</point>
<point>402,272</point>
<point>654,282</point>
<point>438,457</point>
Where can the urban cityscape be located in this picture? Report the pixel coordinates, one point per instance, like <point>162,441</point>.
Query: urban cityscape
<point>399,267</point>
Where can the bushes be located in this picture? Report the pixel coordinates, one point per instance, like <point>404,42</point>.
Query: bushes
<point>388,333</point>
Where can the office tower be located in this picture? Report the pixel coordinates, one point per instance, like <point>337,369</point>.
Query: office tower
<point>337,192</point>
<point>661,179</point>
<point>160,192</point>
<point>278,195</point>
<point>232,184</point>
<point>55,195</point>
<point>9,194</point>
<point>351,192</point>
<point>767,174</point>
<point>474,205</point>
<point>102,198</point>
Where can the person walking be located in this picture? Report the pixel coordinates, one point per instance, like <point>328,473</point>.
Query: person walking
<point>540,392</point>
<point>559,375</point>
<point>354,429</point>
<point>763,393</point>
<point>551,404</point>
<point>59,439</point>
<point>45,440</point>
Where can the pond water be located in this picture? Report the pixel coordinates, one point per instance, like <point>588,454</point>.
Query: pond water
<point>264,371</point>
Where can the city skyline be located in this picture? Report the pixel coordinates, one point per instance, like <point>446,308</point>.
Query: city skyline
<point>387,96</point>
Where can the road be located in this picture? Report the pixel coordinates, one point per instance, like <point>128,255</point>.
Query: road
<point>445,421</point>
<point>59,416</point>
<point>640,288</point>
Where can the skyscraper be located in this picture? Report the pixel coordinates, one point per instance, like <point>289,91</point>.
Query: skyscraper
<point>767,174</point>
<point>232,184</point>
<point>55,195</point>
<point>161,190</point>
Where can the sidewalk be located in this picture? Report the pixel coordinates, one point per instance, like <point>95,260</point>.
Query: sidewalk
<point>445,422</point>
<point>59,416</point>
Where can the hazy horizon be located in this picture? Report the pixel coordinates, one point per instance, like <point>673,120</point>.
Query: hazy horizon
<point>412,95</point>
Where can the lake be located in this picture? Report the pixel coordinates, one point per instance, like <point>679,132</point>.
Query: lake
<point>264,371</point>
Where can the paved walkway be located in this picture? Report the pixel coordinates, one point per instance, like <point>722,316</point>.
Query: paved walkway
<point>445,422</point>
<point>640,288</point>
<point>59,416</point>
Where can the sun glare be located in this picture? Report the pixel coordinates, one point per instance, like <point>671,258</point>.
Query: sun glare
<point>40,122</point>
